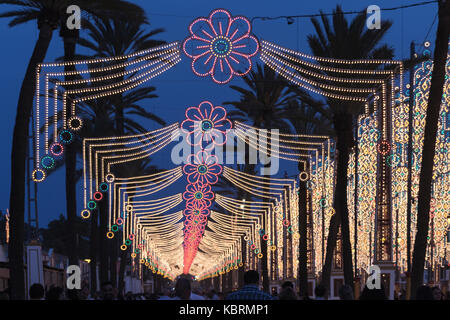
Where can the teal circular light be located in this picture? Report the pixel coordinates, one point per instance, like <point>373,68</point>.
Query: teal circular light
<point>66,136</point>
<point>202,169</point>
<point>103,187</point>
<point>206,125</point>
<point>128,242</point>
<point>92,204</point>
<point>221,46</point>
<point>48,162</point>
<point>115,228</point>
<point>196,212</point>
<point>198,195</point>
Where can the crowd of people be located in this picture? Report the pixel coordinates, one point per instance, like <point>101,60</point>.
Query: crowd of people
<point>184,290</point>
<point>251,291</point>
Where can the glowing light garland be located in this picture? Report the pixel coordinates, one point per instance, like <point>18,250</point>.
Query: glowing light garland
<point>221,46</point>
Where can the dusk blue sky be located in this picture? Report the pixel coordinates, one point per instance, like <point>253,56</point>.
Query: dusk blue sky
<point>179,87</point>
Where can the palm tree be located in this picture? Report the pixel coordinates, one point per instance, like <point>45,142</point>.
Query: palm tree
<point>116,37</point>
<point>306,120</point>
<point>262,103</point>
<point>103,9</point>
<point>345,40</point>
<point>47,21</point>
<point>431,126</point>
<point>48,14</point>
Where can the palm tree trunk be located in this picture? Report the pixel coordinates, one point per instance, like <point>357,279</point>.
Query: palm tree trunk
<point>244,261</point>
<point>18,159</point>
<point>103,211</point>
<point>120,129</point>
<point>93,251</point>
<point>230,279</point>
<point>343,126</point>
<point>113,262</point>
<point>264,260</point>
<point>123,259</point>
<point>428,152</point>
<point>71,161</point>
<point>331,245</point>
<point>303,245</point>
<point>223,283</point>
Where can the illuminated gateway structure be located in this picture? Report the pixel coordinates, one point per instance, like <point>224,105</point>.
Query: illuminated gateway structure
<point>212,233</point>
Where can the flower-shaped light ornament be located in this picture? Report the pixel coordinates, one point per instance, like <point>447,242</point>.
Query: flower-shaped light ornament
<point>202,167</point>
<point>206,126</point>
<point>198,194</point>
<point>221,46</point>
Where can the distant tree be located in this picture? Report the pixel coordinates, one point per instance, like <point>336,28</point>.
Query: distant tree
<point>56,236</point>
<point>342,39</point>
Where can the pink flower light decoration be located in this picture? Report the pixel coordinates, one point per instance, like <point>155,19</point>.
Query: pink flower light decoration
<point>198,193</point>
<point>196,212</point>
<point>221,46</point>
<point>206,125</point>
<point>203,168</point>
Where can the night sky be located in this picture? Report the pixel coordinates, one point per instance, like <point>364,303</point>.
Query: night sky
<point>179,88</point>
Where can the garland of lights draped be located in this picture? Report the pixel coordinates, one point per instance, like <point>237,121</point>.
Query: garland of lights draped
<point>222,47</point>
<point>439,237</point>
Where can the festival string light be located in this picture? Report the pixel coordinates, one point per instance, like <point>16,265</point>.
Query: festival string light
<point>164,242</point>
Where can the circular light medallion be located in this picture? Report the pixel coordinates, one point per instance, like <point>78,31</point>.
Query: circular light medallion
<point>198,195</point>
<point>103,187</point>
<point>221,46</point>
<point>123,247</point>
<point>75,123</point>
<point>92,205</point>
<point>110,235</point>
<point>48,162</point>
<point>303,176</point>
<point>260,255</point>
<point>384,147</point>
<point>38,175</point>
<point>323,202</point>
<point>202,169</point>
<point>66,136</point>
<point>110,178</point>
<point>56,149</point>
<point>206,125</point>
<point>98,196</point>
<point>85,214</point>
